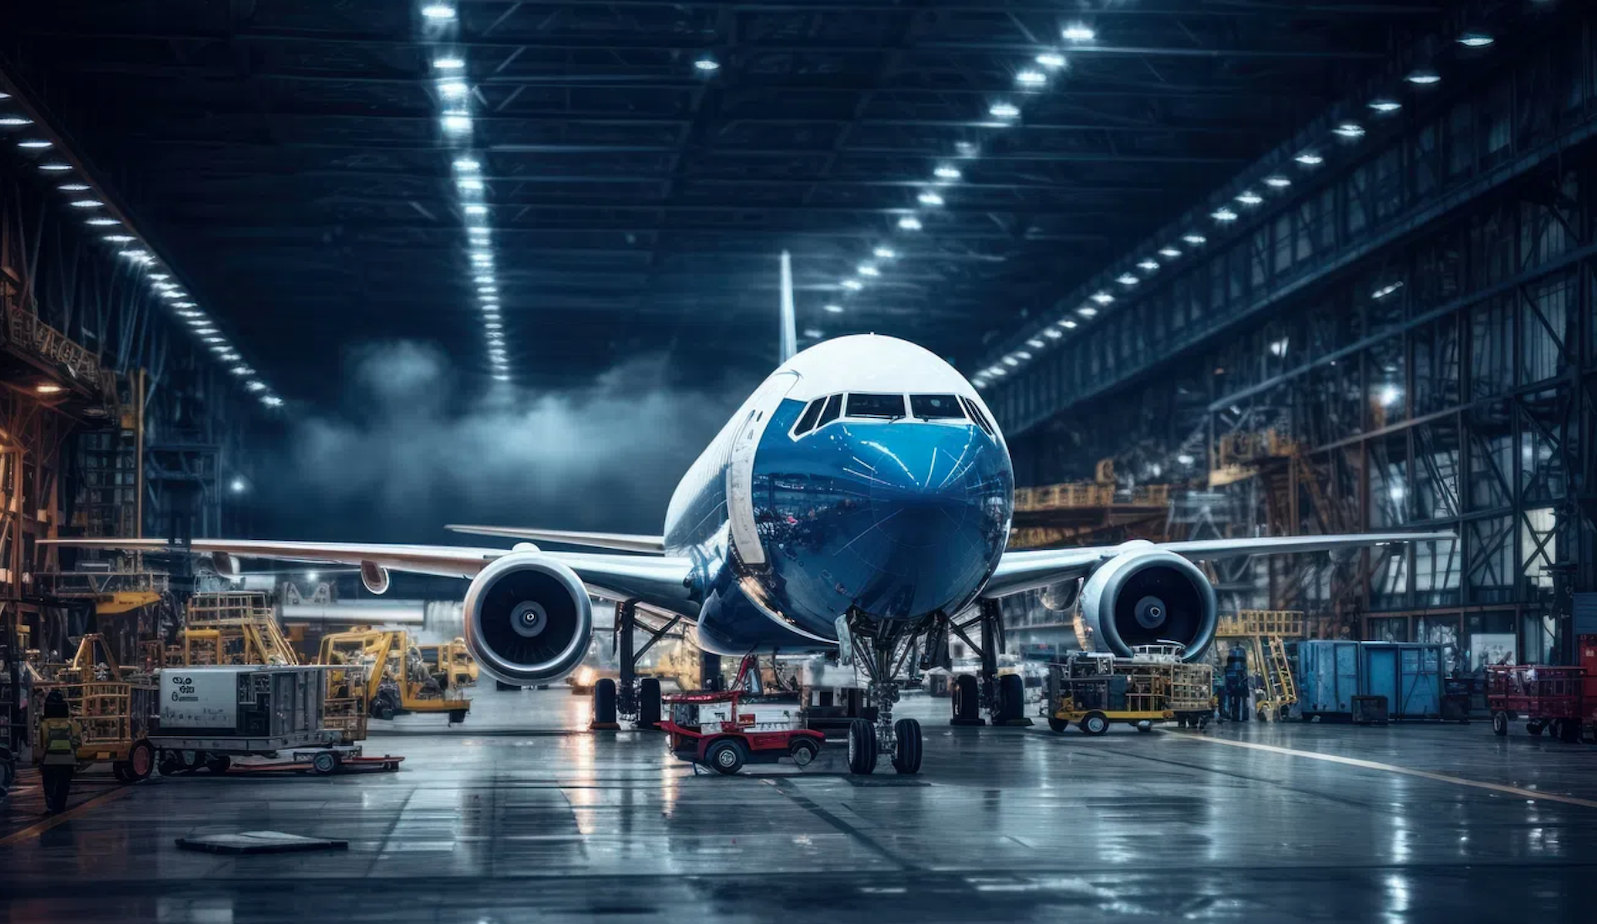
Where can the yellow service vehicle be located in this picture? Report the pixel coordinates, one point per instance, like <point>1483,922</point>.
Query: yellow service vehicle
<point>397,680</point>
<point>113,707</point>
<point>1092,690</point>
<point>450,662</point>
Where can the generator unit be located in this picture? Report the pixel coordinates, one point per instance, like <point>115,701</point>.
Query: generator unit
<point>242,700</point>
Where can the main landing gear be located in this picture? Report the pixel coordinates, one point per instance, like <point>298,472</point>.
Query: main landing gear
<point>636,700</point>
<point>881,648</point>
<point>1002,697</point>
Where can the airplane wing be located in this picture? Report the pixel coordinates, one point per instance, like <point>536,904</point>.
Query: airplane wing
<point>1018,572</point>
<point>621,542</point>
<point>663,581</point>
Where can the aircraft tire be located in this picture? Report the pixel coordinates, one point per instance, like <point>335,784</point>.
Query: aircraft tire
<point>604,701</point>
<point>965,700</point>
<point>907,759</point>
<point>649,702</point>
<point>861,747</point>
<point>1011,697</point>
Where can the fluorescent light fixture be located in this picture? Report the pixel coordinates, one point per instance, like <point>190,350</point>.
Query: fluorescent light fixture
<point>1024,356</point>
<point>467,165</point>
<point>453,88</point>
<point>707,64</point>
<point>272,401</point>
<point>1350,130</point>
<point>1148,265</point>
<point>1087,311</point>
<point>1051,59</point>
<point>1003,110</point>
<point>1385,105</point>
<point>118,238</point>
<point>1068,324</point>
<point>183,305</point>
<point>73,187</point>
<point>1011,361</point>
<point>865,269</point>
<point>457,122</point>
<point>965,148</point>
<point>438,11</point>
<point>834,309</point>
<point>1277,181</point>
<point>1185,459</point>
<point>493,325</point>
<point>1169,253</point>
<point>470,185</point>
<point>103,222</point>
<point>160,277</point>
<point>1035,344</point>
<point>501,378</point>
<point>1126,279</point>
<point>853,285</point>
<point>929,198</point>
<point>215,340</point>
<point>228,357</point>
<point>1052,333</point>
<point>476,209</point>
<point>241,370</point>
<point>1079,32</point>
<point>14,121</point>
<point>484,279</point>
<point>55,168</point>
<point>1249,197</point>
<point>1195,240</point>
<point>87,204</point>
<point>449,63</point>
<point>909,223</point>
<point>194,314</point>
<point>1223,214</point>
<point>34,144</point>
<point>946,172</point>
<point>1102,298</point>
<point>1031,78</point>
<point>1474,39</point>
<point>1424,78</point>
<point>1309,159</point>
<point>884,253</point>
<point>256,385</point>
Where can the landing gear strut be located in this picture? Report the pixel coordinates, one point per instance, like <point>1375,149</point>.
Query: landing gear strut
<point>882,650</point>
<point>636,700</point>
<point>1002,698</point>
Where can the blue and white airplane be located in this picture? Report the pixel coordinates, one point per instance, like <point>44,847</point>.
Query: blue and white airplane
<point>860,499</point>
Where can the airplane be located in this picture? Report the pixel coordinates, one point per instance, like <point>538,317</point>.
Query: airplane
<point>856,502</point>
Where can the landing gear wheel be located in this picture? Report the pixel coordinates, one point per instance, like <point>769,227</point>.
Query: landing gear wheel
<point>906,759</point>
<point>966,701</point>
<point>324,763</point>
<point>649,703</point>
<point>1535,728</point>
<point>1094,723</point>
<point>141,761</point>
<point>861,747</point>
<point>803,751</point>
<point>1011,698</point>
<point>604,702</point>
<point>219,763</point>
<point>1058,725</point>
<point>1500,723</point>
<point>725,756</point>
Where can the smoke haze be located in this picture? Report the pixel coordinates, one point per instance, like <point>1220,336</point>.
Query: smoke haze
<point>411,451</point>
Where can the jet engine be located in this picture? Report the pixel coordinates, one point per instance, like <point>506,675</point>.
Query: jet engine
<point>1146,596</point>
<point>528,619</point>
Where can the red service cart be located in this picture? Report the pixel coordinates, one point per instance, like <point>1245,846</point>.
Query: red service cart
<point>1549,698</point>
<point>725,730</point>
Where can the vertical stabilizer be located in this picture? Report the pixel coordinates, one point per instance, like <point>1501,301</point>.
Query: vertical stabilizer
<point>789,334</point>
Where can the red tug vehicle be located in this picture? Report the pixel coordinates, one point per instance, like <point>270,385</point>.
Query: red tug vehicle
<point>1549,698</point>
<point>725,730</point>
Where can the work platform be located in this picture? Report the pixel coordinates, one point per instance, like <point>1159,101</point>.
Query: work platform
<point>490,823</point>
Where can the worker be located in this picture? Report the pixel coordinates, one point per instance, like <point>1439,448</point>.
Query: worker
<point>60,736</point>
<point>1236,686</point>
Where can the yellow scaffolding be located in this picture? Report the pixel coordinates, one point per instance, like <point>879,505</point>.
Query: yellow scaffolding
<point>1263,634</point>
<point>234,628</point>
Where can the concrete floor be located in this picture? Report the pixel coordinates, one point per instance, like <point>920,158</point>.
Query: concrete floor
<point>490,822</point>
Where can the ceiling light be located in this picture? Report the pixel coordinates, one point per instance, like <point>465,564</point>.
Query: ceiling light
<point>55,168</point>
<point>1035,344</point>
<point>1148,265</point>
<point>34,144</point>
<point>884,253</point>
<point>965,148</point>
<point>1087,311</point>
<point>256,385</point>
<point>449,63</point>
<point>1011,361</point>
<point>1052,333</point>
<point>193,314</point>
<point>1068,325</point>
<point>929,198</point>
<point>229,357</point>
<point>204,329</point>
<point>438,11</point>
<point>707,64</point>
<point>1350,130</point>
<point>456,122</point>
<point>946,172</point>
<point>1223,214</point>
<point>1079,32</point>
<point>1309,159</point>
<point>1195,239</point>
<point>1102,298</point>
<point>173,293</point>
<point>1385,105</point>
<point>87,204</point>
<point>865,269</point>
<point>103,222</point>
<point>241,370</point>
<point>272,401</point>
<point>1424,78</point>
<point>1475,39</point>
<point>1050,59</point>
<point>1277,182</point>
<point>476,210</point>
<point>214,340</point>
<point>1031,78</point>
<point>834,309</point>
<point>14,121</point>
<point>501,378</point>
<point>909,223</point>
<point>493,325</point>
<point>1169,253</point>
<point>484,279</point>
<point>1024,356</point>
<point>454,89</point>
<point>73,187</point>
<point>471,185</point>
<point>1003,110</point>
<point>118,238</point>
<point>467,165</point>
<point>853,285</point>
<point>48,388</point>
<point>998,370</point>
<point>1126,279</point>
<point>160,277</point>
<point>813,334</point>
<point>183,305</point>
<point>1249,197</point>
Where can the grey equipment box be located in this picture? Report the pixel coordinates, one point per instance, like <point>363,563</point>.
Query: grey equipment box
<point>245,701</point>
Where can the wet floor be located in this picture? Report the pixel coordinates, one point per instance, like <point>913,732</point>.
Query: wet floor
<point>495,822</point>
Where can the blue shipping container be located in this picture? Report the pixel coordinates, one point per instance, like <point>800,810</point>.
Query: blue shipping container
<point>1331,673</point>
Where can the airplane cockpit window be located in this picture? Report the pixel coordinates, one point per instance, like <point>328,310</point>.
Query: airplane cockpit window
<point>812,413</point>
<point>976,415</point>
<point>936,407</point>
<point>883,407</point>
<point>834,407</point>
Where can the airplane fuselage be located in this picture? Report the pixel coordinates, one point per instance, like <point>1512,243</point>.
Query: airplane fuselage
<point>865,475</point>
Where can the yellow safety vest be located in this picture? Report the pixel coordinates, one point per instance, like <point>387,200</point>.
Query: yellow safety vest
<point>60,737</point>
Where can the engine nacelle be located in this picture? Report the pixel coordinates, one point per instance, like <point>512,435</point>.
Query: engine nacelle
<point>528,619</point>
<point>374,576</point>
<point>1150,597</point>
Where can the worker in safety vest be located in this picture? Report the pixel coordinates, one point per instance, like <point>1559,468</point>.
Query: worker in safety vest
<point>60,736</point>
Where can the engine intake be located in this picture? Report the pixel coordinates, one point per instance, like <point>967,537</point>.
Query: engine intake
<point>528,619</point>
<point>1149,598</point>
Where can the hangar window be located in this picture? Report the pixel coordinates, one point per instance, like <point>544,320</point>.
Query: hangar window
<point>811,414</point>
<point>834,406</point>
<point>936,407</point>
<point>884,407</point>
<point>976,415</point>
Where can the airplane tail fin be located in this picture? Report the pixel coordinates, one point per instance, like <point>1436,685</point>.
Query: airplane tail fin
<point>621,542</point>
<point>789,333</point>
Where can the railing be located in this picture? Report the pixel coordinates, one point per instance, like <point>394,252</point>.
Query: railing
<point>1279,623</point>
<point>100,583</point>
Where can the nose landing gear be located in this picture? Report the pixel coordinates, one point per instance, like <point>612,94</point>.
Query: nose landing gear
<point>881,649</point>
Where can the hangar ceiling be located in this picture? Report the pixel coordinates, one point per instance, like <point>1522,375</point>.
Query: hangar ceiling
<point>644,162</point>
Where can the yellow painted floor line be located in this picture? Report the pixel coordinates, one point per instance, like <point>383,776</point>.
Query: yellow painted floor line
<point>1393,768</point>
<point>71,813</point>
